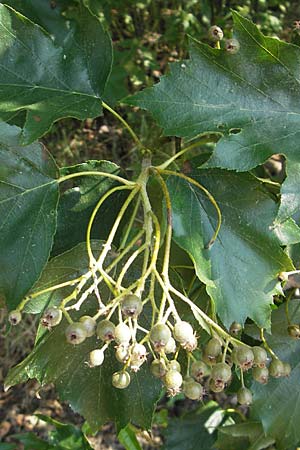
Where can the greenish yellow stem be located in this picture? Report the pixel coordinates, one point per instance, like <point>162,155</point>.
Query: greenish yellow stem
<point>205,317</point>
<point>93,215</point>
<point>166,164</point>
<point>128,263</point>
<point>108,244</point>
<point>95,173</point>
<point>209,196</point>
<point>266,345</point>
<point>49,289</point>
<point>123,121</point>
<point>225,350</point>
<point>242,377</point>
<point>130,224</point>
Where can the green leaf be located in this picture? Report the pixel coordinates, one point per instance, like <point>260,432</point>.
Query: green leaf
<point>51,17</point>
<point>192,431</point>
<point>72,86</point>
<point>247,435</point>
<point>281,395</point>
<point>8,447</point>
<point>65,436</point>
<point>254,92</point>
<point>240,269</point>
<point>31,442</point>
<point>287,232</point>
<point>88,390</point>
<point>28,202</point>
<point>77,203</point>
<point>127,438</point>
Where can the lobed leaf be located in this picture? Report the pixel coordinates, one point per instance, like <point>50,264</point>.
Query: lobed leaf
<point>48,80</point>
<point>251,98</point>
<point>240,269</point>
<point>28,201</point>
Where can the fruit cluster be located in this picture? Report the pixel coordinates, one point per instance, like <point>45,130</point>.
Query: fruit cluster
<point>213,372</point>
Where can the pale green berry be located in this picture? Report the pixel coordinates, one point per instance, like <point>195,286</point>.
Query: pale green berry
<point>193,390</point>
<point>75,333</point>
<point>51,317</point>
<point>96,357</point>
<point>90,325</point>
<point>183,331</point>
<point>244,396</point>
<point>131,306</point>
<point>106,330</point>
<point>122,333</point>
<point>121,380</point>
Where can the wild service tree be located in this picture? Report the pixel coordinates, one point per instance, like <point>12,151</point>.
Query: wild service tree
<point>179,275</point>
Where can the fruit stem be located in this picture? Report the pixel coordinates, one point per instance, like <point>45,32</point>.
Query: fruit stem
<point>242,377</point>
<point>93,215</point>
<point>225,350</point>
<point>209,196</point>
<point>95,173</point>
<point>126,125</point>
<point>130,224</point>
<point>169,161</point>
<point>266,345</point>
<point>49,289</point>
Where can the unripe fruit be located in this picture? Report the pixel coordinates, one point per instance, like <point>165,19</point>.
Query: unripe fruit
<point>193,390</point>
<point>159,336</point>
<point>221,372</point>
<point>139,351</point>
<point>215,33</point>
<point>260,356</point>
<point>158,368</point>
<point>276,368</point>
<point>287,369</point>
<point>75,333</point>
<point>121,380</point>
<point>244,357</point>
<point>122,353</point>
<point>170,346</point>
<point>209,360</point>
<point>174,365</point>
<point>294,331</point>
<point>199,370</point>
<point>89,324</point>
<point>232,46</point>
<point>51,317</point>
<point>15,317</point>
<point>190,345</point>
<point>173,381</point>
<point>260,374</point>
<point>96,357</point>
<point>131,306</point>
<point>216,386</point>
<point>183,331</point>
<point>235,329</point>
<point>244,396</point>
<point>213,348</point>
<point>106,330</point>
<point>122,333</point>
